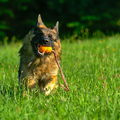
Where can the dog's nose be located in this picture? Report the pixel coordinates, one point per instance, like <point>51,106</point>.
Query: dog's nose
<point>46,41</point>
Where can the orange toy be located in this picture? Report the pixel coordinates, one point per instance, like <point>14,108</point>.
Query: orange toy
<point>45,49</point>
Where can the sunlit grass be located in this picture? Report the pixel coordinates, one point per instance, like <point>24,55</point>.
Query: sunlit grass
<point>92,71</point>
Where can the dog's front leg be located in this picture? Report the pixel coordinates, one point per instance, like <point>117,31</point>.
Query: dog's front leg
<point>52,84</point>
<point>32,83</point>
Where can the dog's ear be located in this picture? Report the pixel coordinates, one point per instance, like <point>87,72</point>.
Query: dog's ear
<point>40,22</point>
<point>56,27</point>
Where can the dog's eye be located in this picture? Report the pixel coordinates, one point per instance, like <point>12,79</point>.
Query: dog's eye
<point>50,36</point>
<point>55,40</point>
<point>39,34</point>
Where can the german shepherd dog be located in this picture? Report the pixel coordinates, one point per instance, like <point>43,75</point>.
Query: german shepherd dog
<point>40,69</point>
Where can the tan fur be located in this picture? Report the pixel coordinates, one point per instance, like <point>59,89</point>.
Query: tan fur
<point>42,72</point>
<point>54,31</point>
<point>42,26</point>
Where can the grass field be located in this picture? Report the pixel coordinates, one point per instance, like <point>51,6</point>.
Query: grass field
<point>92,71</point>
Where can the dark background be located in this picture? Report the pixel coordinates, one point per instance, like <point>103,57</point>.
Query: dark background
<point>93,17</point>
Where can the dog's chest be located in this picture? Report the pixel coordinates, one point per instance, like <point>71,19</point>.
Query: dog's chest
<point>44,68</point>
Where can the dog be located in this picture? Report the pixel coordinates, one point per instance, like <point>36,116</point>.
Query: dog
<point>40,70</point>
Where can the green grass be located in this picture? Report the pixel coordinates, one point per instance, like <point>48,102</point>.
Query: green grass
<point>92,71</point>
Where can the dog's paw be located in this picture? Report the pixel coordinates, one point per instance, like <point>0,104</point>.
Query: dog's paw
<point>49,88</point>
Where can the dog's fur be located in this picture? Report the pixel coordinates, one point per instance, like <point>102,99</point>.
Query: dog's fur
<point>38,69</point>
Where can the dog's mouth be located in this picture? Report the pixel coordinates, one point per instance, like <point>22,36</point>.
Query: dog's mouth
<point>37,46</point>
<point>42,49</point>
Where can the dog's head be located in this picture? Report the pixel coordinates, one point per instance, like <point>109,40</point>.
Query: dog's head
<point>44,36</point>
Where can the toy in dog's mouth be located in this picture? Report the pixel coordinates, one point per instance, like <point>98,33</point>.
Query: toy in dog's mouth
<point>43,49</point>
